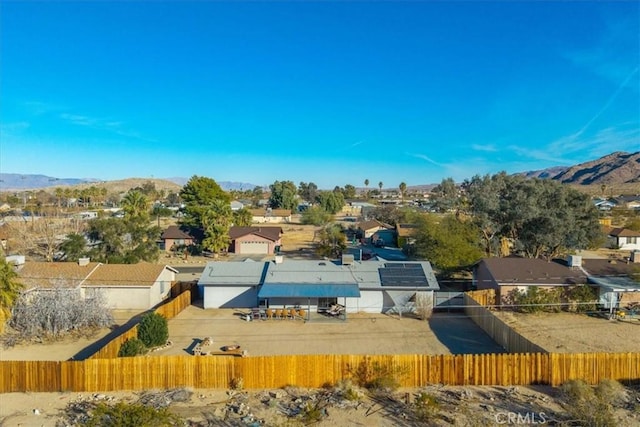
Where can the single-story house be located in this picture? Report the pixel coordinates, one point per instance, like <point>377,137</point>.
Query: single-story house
<point>173,237</point>
<point>509,273</point>
<point>370,227</point>
<point>124,286</point>
<point>624,239</point>
<point>605,204</point>
<point>255,240</point>
<point>359,286</point>
<point>617,286</point>
<point>261,216</point>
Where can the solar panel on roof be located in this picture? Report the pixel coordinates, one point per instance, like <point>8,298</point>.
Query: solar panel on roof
<point>403,274</point>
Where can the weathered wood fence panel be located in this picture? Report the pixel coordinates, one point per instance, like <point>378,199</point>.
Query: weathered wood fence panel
<point>169,310</point>
<point>501,333</point>
<point>411,370</point>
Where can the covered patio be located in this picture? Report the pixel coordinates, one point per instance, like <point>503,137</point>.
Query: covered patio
<point>320,300</point>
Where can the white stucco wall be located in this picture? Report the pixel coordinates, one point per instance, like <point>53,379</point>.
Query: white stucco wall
<point>229,296</point>
<point>369,302</point>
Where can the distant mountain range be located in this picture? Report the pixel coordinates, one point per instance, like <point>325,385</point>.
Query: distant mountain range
<point>615,168</point>
<point>14,181</point>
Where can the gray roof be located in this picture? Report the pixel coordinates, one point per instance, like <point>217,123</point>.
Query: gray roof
<point>364,274</point>
<point>233,273</point>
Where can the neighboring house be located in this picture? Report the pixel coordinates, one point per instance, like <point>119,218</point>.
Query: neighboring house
<point>406,234</point>
<point>604,204</point>
<point>255,240</point>
<point>174,237</point>
<point>624,239</point>
<point>124,286</point>
<point>261,216</point>
<point>506,274</point>
<point>236,205</point>
<point>369,286</point>
<point>369,228</point>
<point>617,286</point>
<point>629,202</point>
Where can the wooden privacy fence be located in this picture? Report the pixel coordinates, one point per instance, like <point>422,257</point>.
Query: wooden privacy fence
<point>497,329</point>
<point>264,372</point>
<point>169,310</point>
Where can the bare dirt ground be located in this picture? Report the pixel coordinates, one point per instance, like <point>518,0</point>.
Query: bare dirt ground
<point>575,333</point>
<point>362,333</point>
<point>457,406</point>
<point>62,349</point>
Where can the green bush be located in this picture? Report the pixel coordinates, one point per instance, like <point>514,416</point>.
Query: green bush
<point>128,415</point>
<point>536,300</point>
<point>131,348</point>
<point>584,297</point>
<point>153,330</point>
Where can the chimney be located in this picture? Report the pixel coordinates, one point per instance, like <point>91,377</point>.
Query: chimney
<point>279,259</point>
<point>635,256</point>
<point>83,262</point>
<point>574,261</point>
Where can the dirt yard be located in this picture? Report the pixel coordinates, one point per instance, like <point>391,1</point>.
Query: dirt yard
<point>360,334</point>
<point>452,406</point>
<point>575,333</point>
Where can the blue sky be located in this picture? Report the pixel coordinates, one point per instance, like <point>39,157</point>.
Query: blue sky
<point>330,92</point>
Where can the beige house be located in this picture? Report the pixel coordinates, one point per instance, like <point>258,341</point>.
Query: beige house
<point>369,228</point>
<point>277,216</point>
<point>125,286</point>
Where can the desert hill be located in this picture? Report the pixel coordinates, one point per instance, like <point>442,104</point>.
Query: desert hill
<point>613,169</point>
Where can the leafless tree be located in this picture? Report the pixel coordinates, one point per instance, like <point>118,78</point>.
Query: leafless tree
<point>42,236</point>
<point>59,310</point>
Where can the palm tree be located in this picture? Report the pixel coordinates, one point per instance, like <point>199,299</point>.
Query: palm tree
<point>9,290</point>
<point>380,185</point>
<point>366,186</point>
<point>403,188</point>
<point>135,204</point>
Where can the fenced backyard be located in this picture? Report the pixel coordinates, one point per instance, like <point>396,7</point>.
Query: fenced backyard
<point>105,372</point>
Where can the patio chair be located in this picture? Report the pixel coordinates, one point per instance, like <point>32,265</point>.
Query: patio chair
<point>269,313</point>
<point>255,314</point>
<point>278,313</point>
<point>301,314</point>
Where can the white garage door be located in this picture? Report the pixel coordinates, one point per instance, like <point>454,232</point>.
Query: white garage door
<point>254,248</point>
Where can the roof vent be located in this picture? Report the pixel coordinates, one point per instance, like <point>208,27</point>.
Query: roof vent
<point>574,261</point>
<point>82,262</point>
<point>279,259</point>
<point>347,259</point>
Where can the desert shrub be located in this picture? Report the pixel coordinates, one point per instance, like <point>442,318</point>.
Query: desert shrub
<point>584,297</point>
<point>153,330</point>
<point>377,377</point>
<point>535,300</point>
<point>312,413</point>
<point>125,415</point>
<point>426,407</point>
<point>347,390</point>
<point>236,383</point>
<point>592,406</point>
<point>131,348</point>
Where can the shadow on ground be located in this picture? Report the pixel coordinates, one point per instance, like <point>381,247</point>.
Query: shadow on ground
<point>461,336</point>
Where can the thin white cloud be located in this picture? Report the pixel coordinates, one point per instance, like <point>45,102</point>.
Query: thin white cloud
<point>109,125</point>
<point>487,148</point>
<point>424,157</point>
